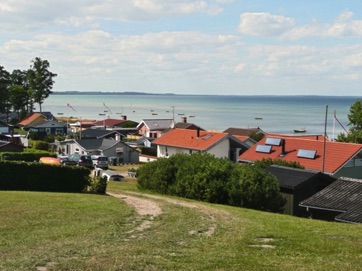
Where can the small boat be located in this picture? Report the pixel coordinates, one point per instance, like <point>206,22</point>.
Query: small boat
<point>192,116</point>
<point>258,118</point>
<point>154,114</point>
<point>303,130</point>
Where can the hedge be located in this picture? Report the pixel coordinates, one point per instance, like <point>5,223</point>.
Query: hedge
<point>26,156</point>
<point>27,176</point>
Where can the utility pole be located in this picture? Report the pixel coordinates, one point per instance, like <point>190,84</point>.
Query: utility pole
<point>325,137</point>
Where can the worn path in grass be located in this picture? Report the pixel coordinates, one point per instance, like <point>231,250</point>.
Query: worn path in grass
<point>148,207</point>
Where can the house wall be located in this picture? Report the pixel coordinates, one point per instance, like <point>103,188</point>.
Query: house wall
<point>144,131</point>
<point>221,150</point>
<point>128,154</point>
<point>4,129</point>
<point>350,172</point>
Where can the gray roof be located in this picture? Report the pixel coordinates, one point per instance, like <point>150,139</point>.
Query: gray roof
<point>158,124</point>
<point>292,177</point>
<point>97,144</point>
<point>99,133</point>
<point>344,195</point>
<point>50,123</point>
<point>243,131</point>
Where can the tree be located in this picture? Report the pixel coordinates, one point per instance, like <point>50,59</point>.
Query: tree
<point>19,98</point>
<point>355,116</point>
<point>5,82</point>
<point>40,80</point>
<point>355,122</point>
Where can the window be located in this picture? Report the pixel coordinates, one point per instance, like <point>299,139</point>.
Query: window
<point>273,141</point>
<point>263,148</point>
<point>310,154</point>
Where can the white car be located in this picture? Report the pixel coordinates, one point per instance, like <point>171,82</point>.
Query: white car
<point>100,161</point>
<point>113,175</point>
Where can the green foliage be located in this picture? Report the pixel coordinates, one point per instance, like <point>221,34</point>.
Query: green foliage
<point>40,80</point>
<point>203,177</point>
<point>149,151</point>
<point>97,185</point>
<point>256,136</point>
<point>355,122</point>
<point>27,176</point>
<point>29,155</point>
<point>40,145</point>
<point>266,162</point>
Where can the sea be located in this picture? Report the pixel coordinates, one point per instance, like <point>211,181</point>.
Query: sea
<point>273,114</point>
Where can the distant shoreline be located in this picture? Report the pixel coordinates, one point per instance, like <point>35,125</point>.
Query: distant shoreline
<point>174,94</point>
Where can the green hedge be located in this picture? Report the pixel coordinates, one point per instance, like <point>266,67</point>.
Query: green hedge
<point>206,178</point>
<point>42,177</point>
<point>25,156</point>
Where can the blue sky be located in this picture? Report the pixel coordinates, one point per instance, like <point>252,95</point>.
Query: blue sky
<point>189,46</point>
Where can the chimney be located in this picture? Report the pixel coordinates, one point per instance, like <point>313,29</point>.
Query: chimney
<point>184,119</point>
<point>198,132</point>
<point>283,148</point>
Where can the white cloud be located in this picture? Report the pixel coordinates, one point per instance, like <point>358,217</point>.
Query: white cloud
<point>264,24</point>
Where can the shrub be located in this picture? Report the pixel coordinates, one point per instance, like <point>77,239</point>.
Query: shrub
<point>42,177</point>
<point>40,145</point>
<point>206,178</point>
<point>97,185</point>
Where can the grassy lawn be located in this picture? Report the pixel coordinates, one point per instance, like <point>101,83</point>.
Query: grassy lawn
<point>61,231</point>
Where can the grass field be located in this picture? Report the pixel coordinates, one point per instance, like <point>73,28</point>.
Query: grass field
<point>61,231</point>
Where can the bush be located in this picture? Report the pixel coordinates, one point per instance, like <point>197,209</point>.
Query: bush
<point>97,185</point>
<point>40,145</point>
<point>42,177</point>
<point>206,178</point>
<point>29,155</point>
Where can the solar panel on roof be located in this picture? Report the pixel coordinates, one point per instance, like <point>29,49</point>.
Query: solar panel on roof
<point>208,136</point>
<point>273,141</point>
<point>263,148</point>
<point>306,153</point>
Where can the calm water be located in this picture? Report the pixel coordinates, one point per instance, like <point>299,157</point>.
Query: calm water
<point>280,114</point>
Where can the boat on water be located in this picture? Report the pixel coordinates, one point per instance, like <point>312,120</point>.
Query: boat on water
<point>258,118</point>
<point>302,130</point>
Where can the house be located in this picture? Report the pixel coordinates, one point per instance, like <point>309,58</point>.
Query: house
<point>44,128</point>
<point>32,119</point>
<point>333,158</point>
<point>244,131</point>
<point>99,146</point>
<point>5,128</point>
<point>297,185</point>
<point>187,125</point>
<point>190,141</point>
<point>143,142</point>
<point>154,127</point>
<point>101,133</point>
<point>6,146</point>
<point>110,123</point>
<point>340,201</point>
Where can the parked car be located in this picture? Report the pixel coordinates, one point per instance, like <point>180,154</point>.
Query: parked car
<point>79,160</point>
<point>100,161</point>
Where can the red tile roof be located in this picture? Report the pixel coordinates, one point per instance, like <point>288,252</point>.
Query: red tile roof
<point>110,122</point>
<point>300,136</point>
<point>184,138</point>
<point>337,153</point>
<point>32,118</point>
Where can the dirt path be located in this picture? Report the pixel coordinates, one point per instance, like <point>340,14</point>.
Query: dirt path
<point>150,206</point>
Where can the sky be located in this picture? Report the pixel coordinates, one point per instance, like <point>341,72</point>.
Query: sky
<point>223,47</point>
